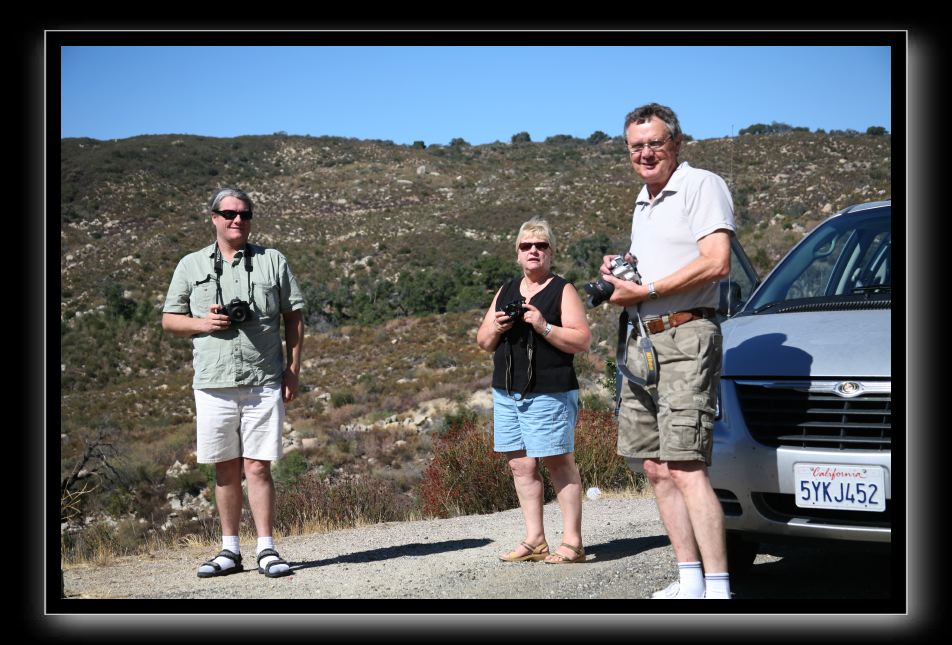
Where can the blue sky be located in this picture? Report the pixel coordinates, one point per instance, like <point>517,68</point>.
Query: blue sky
<point>482,94</point>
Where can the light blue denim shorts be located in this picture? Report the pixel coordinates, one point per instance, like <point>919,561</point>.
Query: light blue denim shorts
<point>541,424</point>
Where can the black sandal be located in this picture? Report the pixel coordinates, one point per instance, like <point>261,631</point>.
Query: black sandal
<point>267,570</point>
<point>218,571</point>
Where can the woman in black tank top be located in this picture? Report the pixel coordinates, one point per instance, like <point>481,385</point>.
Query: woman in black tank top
<point>534,326</point>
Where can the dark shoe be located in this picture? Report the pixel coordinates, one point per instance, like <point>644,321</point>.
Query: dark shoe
<point>218,571</point>
<point>267,570</point>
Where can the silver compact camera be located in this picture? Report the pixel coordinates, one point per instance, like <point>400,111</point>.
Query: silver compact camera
<point>599,290</point>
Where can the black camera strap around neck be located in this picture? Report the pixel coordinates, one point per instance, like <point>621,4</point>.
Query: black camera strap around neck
<point>530,351</point>
<point>219,260</point>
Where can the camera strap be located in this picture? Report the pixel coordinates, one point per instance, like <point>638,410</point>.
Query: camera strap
<point>218,271</point>
<point>625,329</point>
<point>530,350</point>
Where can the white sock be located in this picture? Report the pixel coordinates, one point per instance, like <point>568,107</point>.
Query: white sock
<point>691,580</point>
<point>718,585</point>
<point>231,543</point>
<point>268,543</point>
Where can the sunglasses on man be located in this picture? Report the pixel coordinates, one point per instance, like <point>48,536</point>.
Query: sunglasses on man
<point>230,215</point>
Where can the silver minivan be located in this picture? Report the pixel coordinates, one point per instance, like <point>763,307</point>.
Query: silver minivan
<point>803,434</point>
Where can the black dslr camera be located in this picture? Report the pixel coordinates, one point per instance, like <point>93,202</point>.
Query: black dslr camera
<point>514,309</point>
<point>600,291</point>
<point>238,311</point>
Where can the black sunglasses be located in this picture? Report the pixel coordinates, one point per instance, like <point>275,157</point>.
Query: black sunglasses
<point>525,246</point>
<point>230,215</point>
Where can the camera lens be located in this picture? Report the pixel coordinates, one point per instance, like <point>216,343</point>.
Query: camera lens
<point>599,291</point>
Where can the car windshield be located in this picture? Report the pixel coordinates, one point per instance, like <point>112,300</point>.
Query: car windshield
<point>848,255</point>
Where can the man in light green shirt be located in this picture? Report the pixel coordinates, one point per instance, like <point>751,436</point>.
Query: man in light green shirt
<point>229,298</point>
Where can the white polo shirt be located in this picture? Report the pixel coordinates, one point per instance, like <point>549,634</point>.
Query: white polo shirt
<point>665,233</point>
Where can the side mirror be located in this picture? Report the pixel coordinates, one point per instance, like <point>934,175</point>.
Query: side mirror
<point>730,300</point>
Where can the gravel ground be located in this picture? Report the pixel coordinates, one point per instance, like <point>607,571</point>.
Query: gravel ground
<point>629,556</point>
<point>451,558</point>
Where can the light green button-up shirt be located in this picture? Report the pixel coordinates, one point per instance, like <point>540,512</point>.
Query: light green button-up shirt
<point>245,354</point>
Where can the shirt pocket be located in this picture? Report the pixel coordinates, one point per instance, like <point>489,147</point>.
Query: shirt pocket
<point>201,298</point>
<point>266,299</point>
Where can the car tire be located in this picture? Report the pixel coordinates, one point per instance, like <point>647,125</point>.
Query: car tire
<point>740,554</point>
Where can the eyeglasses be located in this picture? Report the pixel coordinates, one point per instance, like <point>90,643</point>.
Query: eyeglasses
<point>230,215</point>
<point>638,148</point>
<point>525,246</point>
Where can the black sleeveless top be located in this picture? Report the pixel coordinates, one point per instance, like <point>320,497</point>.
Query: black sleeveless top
<point>552,369</point>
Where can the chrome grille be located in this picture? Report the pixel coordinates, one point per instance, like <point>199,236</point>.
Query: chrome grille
<point>811,414</point>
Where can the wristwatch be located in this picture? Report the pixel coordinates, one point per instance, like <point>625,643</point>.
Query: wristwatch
<point>652,294</point>
<point>548,328</point>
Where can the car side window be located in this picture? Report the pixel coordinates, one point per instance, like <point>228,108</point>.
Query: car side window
<point>874,267</point>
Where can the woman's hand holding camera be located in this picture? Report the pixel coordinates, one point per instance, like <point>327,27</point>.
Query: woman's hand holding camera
<point>530,315</point>
<point>534,317</point>
<point>503,323</point>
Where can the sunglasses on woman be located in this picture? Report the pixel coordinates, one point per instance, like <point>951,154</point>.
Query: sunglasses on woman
<point>525,246</point>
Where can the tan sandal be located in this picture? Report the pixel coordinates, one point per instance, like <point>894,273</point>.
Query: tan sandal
<point>579,555</point>
<point>536,553</point>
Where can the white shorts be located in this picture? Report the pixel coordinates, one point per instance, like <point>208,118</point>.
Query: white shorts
<point>239,422</point>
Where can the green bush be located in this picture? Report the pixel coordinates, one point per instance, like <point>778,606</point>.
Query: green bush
<point>191,482</point>
<point>599,464</point>
<point>312,499</point>
<point>466,476</point>
<point>290,468</point>
<point>342,398</point>
<point>587,253</point>
<point>459,417</point>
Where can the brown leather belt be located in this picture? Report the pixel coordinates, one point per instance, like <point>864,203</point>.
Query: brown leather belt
<point>673,319</point>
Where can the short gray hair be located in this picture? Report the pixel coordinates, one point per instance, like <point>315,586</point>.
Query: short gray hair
<point>644,113</point>
<point>222,193</point>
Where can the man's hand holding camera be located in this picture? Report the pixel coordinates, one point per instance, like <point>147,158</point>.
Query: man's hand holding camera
<point>626,292</point>
<point>216,320</point>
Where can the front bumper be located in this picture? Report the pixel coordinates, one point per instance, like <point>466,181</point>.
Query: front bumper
<point>755,484</point>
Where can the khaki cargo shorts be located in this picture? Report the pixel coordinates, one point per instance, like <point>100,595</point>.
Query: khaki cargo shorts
<point>674,419</point>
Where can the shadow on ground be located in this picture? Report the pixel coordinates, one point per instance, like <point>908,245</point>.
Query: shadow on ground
<point>387,553</point>
<point>820,571</point>
<point>625,547</point>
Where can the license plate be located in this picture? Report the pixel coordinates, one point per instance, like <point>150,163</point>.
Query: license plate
<point>852,488</point>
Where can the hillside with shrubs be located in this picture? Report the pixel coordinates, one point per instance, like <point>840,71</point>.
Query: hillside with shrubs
<point>398,250</point>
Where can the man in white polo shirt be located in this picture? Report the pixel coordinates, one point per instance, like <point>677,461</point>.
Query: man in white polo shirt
<point>680,238</point>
